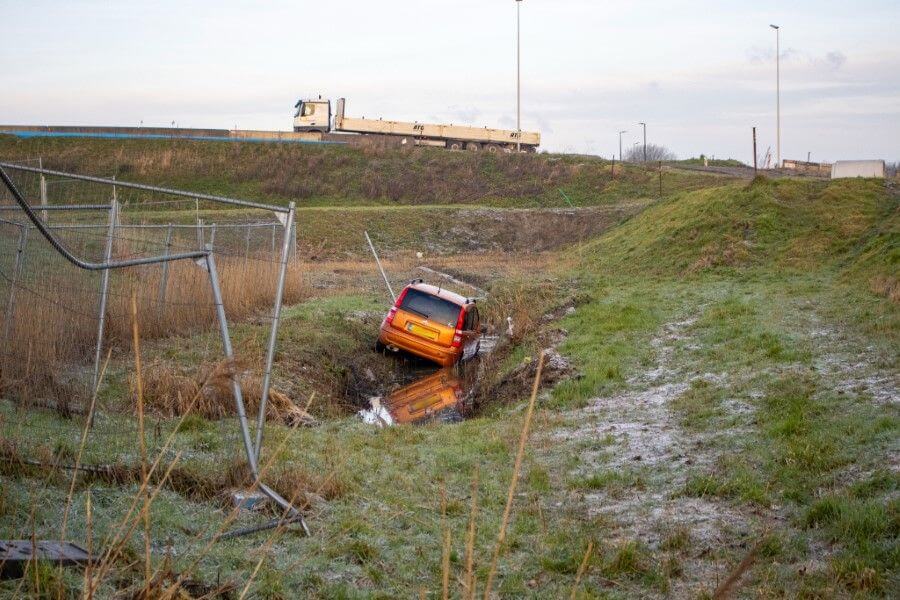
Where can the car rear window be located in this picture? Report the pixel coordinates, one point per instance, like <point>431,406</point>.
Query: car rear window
<point>431,307</point>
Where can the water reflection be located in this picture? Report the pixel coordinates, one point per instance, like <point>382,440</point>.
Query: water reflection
<point>440,396</point>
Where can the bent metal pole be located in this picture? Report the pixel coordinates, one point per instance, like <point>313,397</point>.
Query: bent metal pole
<point>236,389</point>
<point>273,330</point>
<point>380,268</point>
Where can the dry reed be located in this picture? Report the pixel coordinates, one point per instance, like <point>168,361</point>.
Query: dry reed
<point>53,328</point>
<point>517,466</point>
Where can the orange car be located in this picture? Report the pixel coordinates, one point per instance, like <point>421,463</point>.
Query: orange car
<point>432,323</point>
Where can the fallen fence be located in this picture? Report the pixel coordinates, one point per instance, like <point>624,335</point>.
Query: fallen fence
<point>51,307</point>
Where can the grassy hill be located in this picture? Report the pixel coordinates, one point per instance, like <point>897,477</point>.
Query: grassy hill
<point>328,175</point>
<point>785,224</point>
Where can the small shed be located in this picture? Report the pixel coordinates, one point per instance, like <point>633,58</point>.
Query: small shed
<point>857,168</point>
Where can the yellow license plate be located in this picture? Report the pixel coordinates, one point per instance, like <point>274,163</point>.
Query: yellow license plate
<point>422,331</point>
<point>424,403</point>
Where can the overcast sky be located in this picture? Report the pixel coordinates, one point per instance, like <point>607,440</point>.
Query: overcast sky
<point>700,73</point>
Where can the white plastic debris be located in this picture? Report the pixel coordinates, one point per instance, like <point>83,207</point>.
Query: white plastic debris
<point>376,414</point>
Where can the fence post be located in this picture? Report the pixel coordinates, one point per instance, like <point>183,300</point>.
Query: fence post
<point>236,389</point>
<point>17,268</point>
<point>164,281</point>
<point>273,330</point>
<point>247,243</point>
<point>200,236</point>
<point>660,180</point>
<point>273,239</point>
<point>104,290</point>
<point>43,189</point>
<point>212,236</point>
<point>754,152</point>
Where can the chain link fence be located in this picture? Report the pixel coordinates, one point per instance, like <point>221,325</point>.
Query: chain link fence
<point>102,268</point>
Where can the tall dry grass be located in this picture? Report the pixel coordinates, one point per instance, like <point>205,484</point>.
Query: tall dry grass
<point>53,329</point>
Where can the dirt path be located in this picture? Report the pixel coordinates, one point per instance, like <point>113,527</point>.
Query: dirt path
<point>637,453</point>
<point>645,457</point>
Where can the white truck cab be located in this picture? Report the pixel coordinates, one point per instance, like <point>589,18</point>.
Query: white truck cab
<point>313,115</point>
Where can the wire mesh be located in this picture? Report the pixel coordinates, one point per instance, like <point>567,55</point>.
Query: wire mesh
<point>51,317</point>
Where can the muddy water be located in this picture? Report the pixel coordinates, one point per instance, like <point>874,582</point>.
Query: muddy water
<point>427,394</point>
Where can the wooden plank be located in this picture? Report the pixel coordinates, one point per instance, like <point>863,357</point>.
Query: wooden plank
<point>16,554</point>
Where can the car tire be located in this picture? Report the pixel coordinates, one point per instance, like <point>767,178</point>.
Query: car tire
<point>379,347</point>
<point>473,146</point>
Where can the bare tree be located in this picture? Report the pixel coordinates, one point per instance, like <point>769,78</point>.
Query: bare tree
<point>654,153</point>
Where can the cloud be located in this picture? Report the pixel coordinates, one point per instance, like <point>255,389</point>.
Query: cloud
<point>464,114</point>
<point>836,59</point>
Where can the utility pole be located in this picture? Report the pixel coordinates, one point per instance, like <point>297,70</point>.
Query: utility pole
<point>777,29</point>
<point>620,143</point>
<point>518,77</point>
<point>644,125</point>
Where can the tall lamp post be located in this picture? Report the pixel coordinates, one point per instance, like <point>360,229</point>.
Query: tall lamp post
<point>644,125</point>
<point>777,29</point>
<point>620,143</point>
<point>518,77</point>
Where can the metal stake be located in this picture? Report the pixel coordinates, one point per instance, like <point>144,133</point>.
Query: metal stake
<point>212,235</point>
<point>236,389</point>
<point>660,180</point>
<point>104,290</point>
<point>17,268</point>
<point>380,268</point>
<point>43,189</point>
<point>247,244</point>
<point>273,330</point>
<point>754,151</point>
<point>164,280</point>
<point>200,235</point>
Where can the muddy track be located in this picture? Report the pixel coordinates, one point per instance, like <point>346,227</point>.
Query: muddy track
<point>643,445</point>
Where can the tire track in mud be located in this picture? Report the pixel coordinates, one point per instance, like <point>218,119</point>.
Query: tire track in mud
<point>642,444</point>
<point>636,441</point>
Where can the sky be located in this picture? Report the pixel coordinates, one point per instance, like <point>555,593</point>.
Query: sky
<point>699,73</point>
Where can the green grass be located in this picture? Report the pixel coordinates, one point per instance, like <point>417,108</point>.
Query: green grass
<point>347,176</point>
<point>753,273</point>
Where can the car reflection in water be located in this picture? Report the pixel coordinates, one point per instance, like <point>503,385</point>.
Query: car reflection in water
<point>441,396</point>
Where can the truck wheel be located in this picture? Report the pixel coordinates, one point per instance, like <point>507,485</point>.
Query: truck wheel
<point>492,148</point>
<point>473,146</point>
<point>455,145</point>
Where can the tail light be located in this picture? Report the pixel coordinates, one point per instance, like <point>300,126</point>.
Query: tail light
<point>457,335</point>
<point>389,319</point>
<point>390,316</point>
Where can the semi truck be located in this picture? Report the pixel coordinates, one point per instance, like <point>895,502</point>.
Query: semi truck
<point>314,115</point>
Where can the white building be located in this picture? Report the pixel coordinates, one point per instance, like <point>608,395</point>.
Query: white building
<point>857,168</point>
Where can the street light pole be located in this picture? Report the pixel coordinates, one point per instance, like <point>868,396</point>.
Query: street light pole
<point>777,29</point>
<point>518,77</point>
<point>644,125</point>
<point>620,143</point>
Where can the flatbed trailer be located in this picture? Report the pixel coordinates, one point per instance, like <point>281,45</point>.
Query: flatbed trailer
<point>314,115</point>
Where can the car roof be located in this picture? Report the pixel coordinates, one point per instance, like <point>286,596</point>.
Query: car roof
<point>442,293</point>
